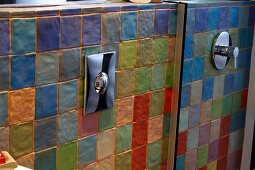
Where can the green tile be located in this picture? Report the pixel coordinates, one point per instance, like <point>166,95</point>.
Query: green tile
<point>209,41</point>
<point>144,52</point>
<point>209,69</point>
<point>164,150</point>
<point>81,93</point>
<point>227,103</point>
<point>202,155</point>
<point>156,103</point>
<point>216,108</point>
<point>107,118</point>
<point>124,138</point>
<point>123,161</point>
<point>127,57</point>
<point>143,80</point>
<point>125,83</point>
<point>67,156</point>
<point>153,153</point>
<point>169,75</point>
<point>158,77</point>
<point>160,49</point>
<point>237,98</point>
<point>199,44</point>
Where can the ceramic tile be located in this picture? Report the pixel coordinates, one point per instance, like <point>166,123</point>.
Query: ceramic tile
<point>223,146</point>
<point>205,111</point>
<point>202,154</point>
<point>4,38</point>
<point>234,36</point>
<point>212,165</point>
<point>237,121</point>
<point>173,21</point>
<point>218,87</point>
<point>123,161</point>
<point>251,16</point>
<point>227,103</point>
<point>156,103</point>
<point>91,32</point>
<point>187,70</point>
<point>229,84</point>
<point>236,106</point>
<point>26,161</point>
<point>139,158</point>
<point>67,127</point>
<point>196,92</point>
<point>197,68</point>
<point>21,105</point>
<point>48,33</point>
<point>88,51</point>
<point>210,36</point>
<point>157,76</point>
<point>145,24</point>
<point>207,91</point>
<point>166,125</point>
<point>243,16</point>
<point>199,44</point>
<point>144,52</point>
<point>92,166</point>
<point>23,71</point>
<point>161,22</point>
<point>127,57</point>
<point>87,150</point>
<point>68,96</point>
<point>183,120</point>
<point>242,38</point>
<point>4,140</point>
<point>171,49</point>
<point>194,115</point>
<point>124,112</point>
<point>46,101</point>
<point>45,134</point>
<point>203,134</point>
<point>164,149</point>
<point>129,25</point>
<point>180,162</point>
<point>213,18</point>
<point>236,141</point>
<point>160,47</point>
<point>155,127</point>
<point>107,163</point>
<point>63,154</point>
<point>185,96</point>
<point>213,151</point>
<point>45,159</point>
<point>47,68</point>
<point>189,45</point>
<point>141,107</point>
<point>4,73</point>
<point>111,27</point>
<point>168,100</point>
<point>215,130</point>
<point>216,108</point>
<point>190,25</point>
<point>182,143</point>
<point>223,17</point>
<point>201,20</point>
<point>106,143</point>
<point>21,139</point>
<point>143,79</point>
<point>233,16</point>
<point>69,64</point>
<point>222,163</point>
<point>169,77</point>
<point>88,124</point>
<point>112,47</point>
<point>190,159</point>
<point>3,108</point>
<point>139,134</point>
<point>125,83</point>
<point>23,36</point>
<point>107,118</point>
<point>153,156</point>
<point>124,138</point>
<point>192,141</point>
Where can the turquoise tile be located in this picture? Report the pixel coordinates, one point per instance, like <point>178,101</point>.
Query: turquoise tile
<point>67,127</point>
<point>153,153</point>
<point>129,25</point>
<point>87,150</point>
<point>111,27</point>
<point>45,159</point>
<point>197,68</point>
<point>234,16</point>
<point>183,121</point>
<point>4,72</point>
<point>158,77</point>
<point>23,36</point>
<point>3,108</point>
<point>180,163</point>
<point>68,96</point>
<point>213,19</point>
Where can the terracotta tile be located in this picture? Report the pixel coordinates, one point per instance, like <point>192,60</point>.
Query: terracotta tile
<point>139,158</point>
<point>4,140</point>
<point>222,163</point>
<point>106,143</point>
<point>168,101</point>
<point>26,161</point>
<point>223,146</point>
<point>21,105</point>
<point>205,112</point>
<point>88,124</point>
<point>182,143</point>
<point>139,135</point>
<point>141,107</point>
<point>155,127</point>
<point>125,108</point>
<point>190,159</point>
<point>163,166</point>
<point>225,126</point>
<point>106,164</point>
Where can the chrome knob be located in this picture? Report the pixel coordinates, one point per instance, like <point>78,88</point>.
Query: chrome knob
<point>101,83</point>
<point>228,51</point>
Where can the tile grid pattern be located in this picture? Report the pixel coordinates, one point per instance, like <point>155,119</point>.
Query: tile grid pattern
<point>41,87</point>
<point>213,102</point>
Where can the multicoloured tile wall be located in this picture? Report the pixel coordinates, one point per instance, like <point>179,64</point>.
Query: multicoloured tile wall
<point>42,85</point>
<point>213,102</point>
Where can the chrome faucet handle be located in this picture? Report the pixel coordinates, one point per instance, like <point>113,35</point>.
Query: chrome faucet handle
<point>228,51</point>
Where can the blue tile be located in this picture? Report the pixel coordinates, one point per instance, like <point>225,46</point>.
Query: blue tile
<point>229,84</point>
<point>111,27</point>
<point>4,73</point>
<point>243,16</point>
<point>234,17</point>
<point>197,72</point>
<point>162,5</point>
<point>129,8</point>
<point>48,34</point>
<point>201,20</point>
<point>145,24</point>
<point>111,9</point>
<point>240,59</point>
<point>71,11</point>
<point>70,64</point>
<point>47,68</point>
<point>251,15</point>
<point>45,134</point>
<point>223,18</point>
<point>146,6</point>
<point>250,33</point>
<point>207,91</point>
<point>189,46</point>
<point>23,36</point>
<point>237,121</point>
<point>45,159</point>
<point>247,60</point>
<point>4,36</point>
<point>68,96</point>
<point>3,108</point>
<point>172,22</point>
<point>239,80</point>
<point>190,23</point>
<point>180,163</point>
<point>194,115</point>
<point>185,95</point>
<point>91,30</point>
<point>46,101</point>
<point>68,125</point>
<point>129,25</point>
<point>87,150</point>
<point>70,32</point>
<point>213,18</point>
<point>186,75</point>
<point>23,71</point>
<point>161,22</point>
<point>242,36</point>
<point>43,13</point>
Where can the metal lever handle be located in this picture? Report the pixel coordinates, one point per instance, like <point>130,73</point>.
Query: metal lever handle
<point>227,51</point>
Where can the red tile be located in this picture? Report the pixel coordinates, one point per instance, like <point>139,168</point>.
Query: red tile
<point>222,163</point>
<point>140,134</point>
<point>223,146</point>
<point>224,126</point>
<point>163,166</point>
<point>182,142</point>
<point>244,98</point>
<point>139,158</point>
<point>202,168</point>
<point>88,124</point>
<point>141,107</point>
<point>168,100</point>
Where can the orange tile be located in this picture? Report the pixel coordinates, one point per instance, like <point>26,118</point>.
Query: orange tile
<point>139,134</point>
<point>139,158</point>
<point>141,107</point>
<point>155,127</point>
<point>125,108</point>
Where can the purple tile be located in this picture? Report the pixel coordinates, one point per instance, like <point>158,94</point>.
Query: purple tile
<point>91,30</point>
<point>161,22</point>
<point>4,36</point>
<point>201,20</point>
<point>213,151</point>
<point>194,115</point>
<point>70,11</point>
<point>204,134</point>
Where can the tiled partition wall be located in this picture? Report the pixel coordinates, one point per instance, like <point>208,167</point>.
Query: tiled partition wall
<point>41,86</point>
<point>213,102</point>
